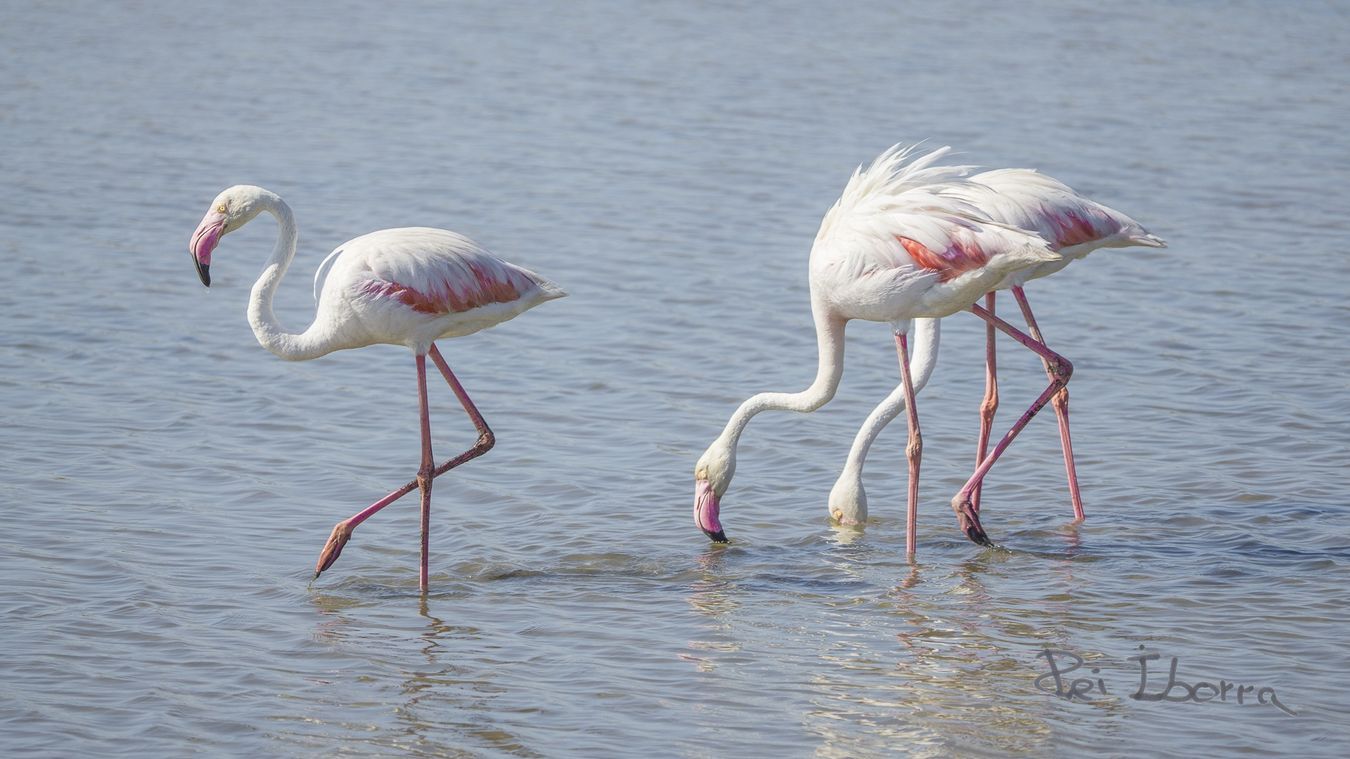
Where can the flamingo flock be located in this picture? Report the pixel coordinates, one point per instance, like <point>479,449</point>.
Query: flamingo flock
<point>910,241</point>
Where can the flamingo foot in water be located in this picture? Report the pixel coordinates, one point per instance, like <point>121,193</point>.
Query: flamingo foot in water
<point>969,520</point>
<point>342,532</point>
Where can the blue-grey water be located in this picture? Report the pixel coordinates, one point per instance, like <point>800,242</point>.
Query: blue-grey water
<point>166,483</point>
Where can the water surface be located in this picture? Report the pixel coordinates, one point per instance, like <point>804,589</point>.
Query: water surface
<point>167,483</point>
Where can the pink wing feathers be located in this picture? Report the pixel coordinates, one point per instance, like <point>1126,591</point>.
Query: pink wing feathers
<point>919,261</point>
<point>961,251</point>
<point>1030,200</point>
<point>950,243</point>
<point>437,272</point>
<point>897,215</point>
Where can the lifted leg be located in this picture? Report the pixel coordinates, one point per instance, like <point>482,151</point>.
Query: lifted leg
<point>342,532</point>
<point>1061,369</point>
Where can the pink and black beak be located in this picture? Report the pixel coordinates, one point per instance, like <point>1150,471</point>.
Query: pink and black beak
<point>706,511</point>
<point>204,241</point>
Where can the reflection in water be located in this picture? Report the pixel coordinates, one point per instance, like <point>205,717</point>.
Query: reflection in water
<point>1073,538</point>
<point>958,679</point>
<point>714,597</point>
<point>846,534</point>
<point>442,702</point>
<point>962,673</point>
<point>442,694</point>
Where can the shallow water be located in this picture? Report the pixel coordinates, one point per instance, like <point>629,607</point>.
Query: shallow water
<point>167,483</point>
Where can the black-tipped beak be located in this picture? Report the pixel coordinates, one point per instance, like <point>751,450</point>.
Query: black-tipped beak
<point>706,510</point>
<point>204,241</point>
<point>978,536</point>
<point>969,521</point>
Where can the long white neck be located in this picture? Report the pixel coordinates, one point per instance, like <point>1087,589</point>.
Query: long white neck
<point>921,362</point>
<point>291,346</point>
<point>830,344</point>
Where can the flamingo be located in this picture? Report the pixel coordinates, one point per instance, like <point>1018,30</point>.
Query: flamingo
<point>408,286</point>
<point>894,248</point>
<point>1075,226</point>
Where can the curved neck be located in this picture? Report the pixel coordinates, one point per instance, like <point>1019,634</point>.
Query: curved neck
<point>921,362</point>
<point>830,344</point>
<point>292,346</point>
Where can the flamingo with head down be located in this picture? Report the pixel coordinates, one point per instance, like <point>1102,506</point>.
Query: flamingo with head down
<point>894,248</point>
<point>408,286</point>
<point>1075,226</point>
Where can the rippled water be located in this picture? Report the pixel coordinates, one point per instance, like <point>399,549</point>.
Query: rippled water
<point>167,483</point>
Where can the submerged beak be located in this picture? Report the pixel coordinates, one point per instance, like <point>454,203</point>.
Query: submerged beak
<point>204,241</point>
<point>969,520</point>
<point>706,510</point>
<point>839,519</point>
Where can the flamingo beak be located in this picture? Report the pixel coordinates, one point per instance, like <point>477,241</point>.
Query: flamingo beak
<point>204,241</point>
<point>706,510</point>
<point>969,520</point>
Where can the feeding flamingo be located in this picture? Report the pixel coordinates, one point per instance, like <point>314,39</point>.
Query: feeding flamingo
<point>408,286</point>
<point>1075,226</point>
<point>892,249</point>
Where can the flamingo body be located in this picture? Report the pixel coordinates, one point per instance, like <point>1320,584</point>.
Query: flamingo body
<point>413,285</point>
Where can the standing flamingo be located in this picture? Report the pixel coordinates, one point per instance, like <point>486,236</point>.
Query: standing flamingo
<point>408,286</point>
<point>1075,226</point>
<point>892,249</point>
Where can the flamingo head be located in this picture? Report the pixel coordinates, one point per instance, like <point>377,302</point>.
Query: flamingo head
<point>231,210</point>
<point>848,500</point>
<point>712,475</point>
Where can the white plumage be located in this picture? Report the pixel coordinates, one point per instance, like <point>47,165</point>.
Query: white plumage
<point>413,285</point>
<point>1074,225</point>
<point>862,267</point>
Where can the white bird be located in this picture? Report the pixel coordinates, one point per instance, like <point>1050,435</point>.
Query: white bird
<point>408,286</point>
<point>892,249</point>
<point>1074,226</point>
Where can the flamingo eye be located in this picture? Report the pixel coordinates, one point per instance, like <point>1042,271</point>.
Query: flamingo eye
<point>220,208</point>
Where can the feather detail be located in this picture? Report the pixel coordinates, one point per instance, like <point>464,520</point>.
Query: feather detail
<point>485,287</point>
<point>903,213</point>
<point>893,174</point>
<point>436,272</point>
<point>1033,201</point>
<point>321,275</point>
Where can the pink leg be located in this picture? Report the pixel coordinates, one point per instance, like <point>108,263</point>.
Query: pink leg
<point>1061,370</point>
<point>990,404</point>
<point>913,451</point>
<point>425,472</point>
<point>1061,405</point>
<point>485,437</point>
<point>343,531</point>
